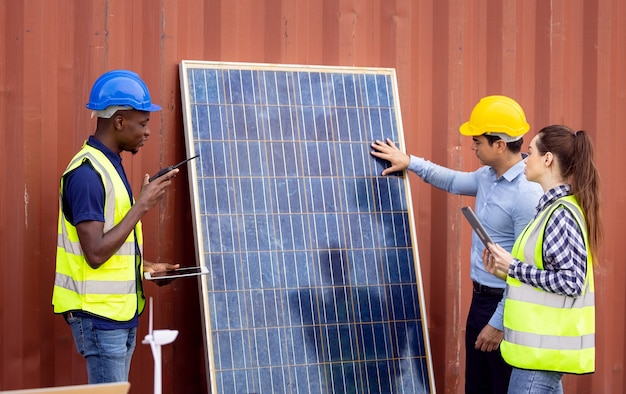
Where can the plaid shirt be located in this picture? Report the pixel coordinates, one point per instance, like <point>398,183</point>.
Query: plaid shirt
<point>564,252</point>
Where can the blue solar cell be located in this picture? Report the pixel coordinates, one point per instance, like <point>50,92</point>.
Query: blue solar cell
<point>314,277</point>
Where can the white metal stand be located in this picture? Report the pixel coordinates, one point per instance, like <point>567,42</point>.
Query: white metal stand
<point>155,339</point>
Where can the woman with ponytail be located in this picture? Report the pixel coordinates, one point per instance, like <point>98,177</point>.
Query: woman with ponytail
<point>549,311</point>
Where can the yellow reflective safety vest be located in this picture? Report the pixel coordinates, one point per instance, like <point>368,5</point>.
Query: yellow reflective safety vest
<point>113,290</point>
<point>542,330</point>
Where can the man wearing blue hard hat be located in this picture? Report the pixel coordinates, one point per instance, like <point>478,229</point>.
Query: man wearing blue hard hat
<point>99,265</point>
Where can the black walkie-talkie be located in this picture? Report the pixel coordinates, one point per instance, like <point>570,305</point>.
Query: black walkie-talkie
<point>164,171</point>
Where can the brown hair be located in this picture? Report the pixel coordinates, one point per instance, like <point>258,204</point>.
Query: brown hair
<point>574,151</point>
<point>514,147</point>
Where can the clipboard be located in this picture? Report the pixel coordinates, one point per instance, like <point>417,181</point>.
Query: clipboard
<point>477,226</point>
<point>177,273</point>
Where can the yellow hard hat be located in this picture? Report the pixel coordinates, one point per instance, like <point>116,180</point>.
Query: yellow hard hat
<point>497,115</point>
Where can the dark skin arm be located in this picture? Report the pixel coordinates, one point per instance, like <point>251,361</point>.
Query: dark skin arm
<point>157,267</point>
<point>99,246</point>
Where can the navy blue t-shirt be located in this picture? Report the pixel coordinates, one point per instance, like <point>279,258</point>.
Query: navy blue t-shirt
<point>83,200</point>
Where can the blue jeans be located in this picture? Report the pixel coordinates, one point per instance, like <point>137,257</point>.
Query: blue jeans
<point>107,352</point>
<point>524,381</point>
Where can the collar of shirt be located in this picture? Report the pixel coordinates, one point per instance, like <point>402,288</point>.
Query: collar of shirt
<point>552,195</point>
<point>115,159</point>
<point>516,170</point>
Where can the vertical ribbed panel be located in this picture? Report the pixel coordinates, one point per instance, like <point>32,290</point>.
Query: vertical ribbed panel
<point>563,60</point>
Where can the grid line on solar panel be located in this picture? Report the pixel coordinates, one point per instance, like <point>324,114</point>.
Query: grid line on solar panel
<point>293,211</point>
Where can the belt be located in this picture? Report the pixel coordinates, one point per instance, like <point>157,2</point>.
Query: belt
<point>67,315</point>
<point>486,290</point>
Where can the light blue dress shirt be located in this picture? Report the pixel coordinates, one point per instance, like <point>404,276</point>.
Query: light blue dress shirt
<point>504,205</point>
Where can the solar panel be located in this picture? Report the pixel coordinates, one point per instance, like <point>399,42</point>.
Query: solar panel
<point>314,283</point>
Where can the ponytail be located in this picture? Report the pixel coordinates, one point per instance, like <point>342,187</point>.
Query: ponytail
<point>586,186</point>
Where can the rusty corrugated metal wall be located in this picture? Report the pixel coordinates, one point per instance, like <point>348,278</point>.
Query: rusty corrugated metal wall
<point>563,60</point>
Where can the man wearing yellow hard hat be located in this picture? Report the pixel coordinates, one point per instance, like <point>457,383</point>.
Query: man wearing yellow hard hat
<point>505,203</point>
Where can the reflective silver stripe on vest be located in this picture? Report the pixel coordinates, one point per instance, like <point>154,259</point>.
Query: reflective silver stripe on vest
<point>550,341</point>
<point>109,215</point>
<point>127,248</point>
<point>530,294</point>
<point>71,247</point>
<point>95,286</point>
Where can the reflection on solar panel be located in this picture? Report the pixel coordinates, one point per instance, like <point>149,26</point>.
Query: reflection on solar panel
<point>314,283</point>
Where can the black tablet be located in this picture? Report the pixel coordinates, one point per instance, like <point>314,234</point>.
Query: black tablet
<point>177,273</point>
<point>477,226</point>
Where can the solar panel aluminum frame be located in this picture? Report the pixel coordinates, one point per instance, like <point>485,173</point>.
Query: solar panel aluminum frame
<point>200,236</point>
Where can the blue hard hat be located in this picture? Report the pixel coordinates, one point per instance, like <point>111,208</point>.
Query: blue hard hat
<point>120,87</point>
